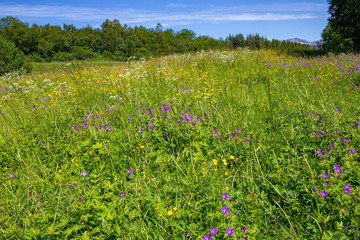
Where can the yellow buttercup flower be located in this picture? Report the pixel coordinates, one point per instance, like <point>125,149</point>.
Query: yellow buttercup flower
<point>175,208</point>
<point>215,161</point>
<point>169,213</point>
<point>232,157</point>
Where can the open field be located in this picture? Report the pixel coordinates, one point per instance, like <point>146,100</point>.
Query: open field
<point>253,144</point>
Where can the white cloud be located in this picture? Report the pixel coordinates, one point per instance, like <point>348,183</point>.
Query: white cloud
<point>146,17</point>
<point>176,5</point>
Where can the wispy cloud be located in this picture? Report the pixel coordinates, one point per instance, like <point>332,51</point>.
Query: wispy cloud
<point>176,5</point>
<point>146,17</point>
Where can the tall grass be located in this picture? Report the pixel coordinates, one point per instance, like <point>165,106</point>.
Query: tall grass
<point>251,143</point>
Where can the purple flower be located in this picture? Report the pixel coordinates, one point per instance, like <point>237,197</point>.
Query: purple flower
<point>345,139</point>
<point>346,226</point>
<point>224,196</point>
<point>213,231</point>
<point>335,131</point>
<point>230,231</point>
<point>30,193</point>
<point>129,171</point>
<point>5,226</point>
<point>331,145</point>
<point>243,229</point>
<point>352,151</point>
<point>84,174</point>
<point>224,210</point>
<point>323,194</point>
<point>207,237</point>
<point>318,151</point>
<point>337,109</point>
<point>248,135</point>
<point>326,183</point>
<point>325,175</point>
<point>72,185</point>
<point>306,112</point>
<point>11,176</point>
<point>79,198</point>
<point>187,234</point>
<point>121,194</point>
<point>314,189</point>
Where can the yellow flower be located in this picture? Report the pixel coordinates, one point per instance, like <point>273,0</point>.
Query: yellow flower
<point>225,162</point>
<point>215,161</point>
<point>157,207</point>
<point>232,157</point>
<point>125,207</point>
<point>227,188</point>
<point>226,174</point>
<point>169,213</point>
<point>175,208</point>
<point>215,169</point>
<point>196,203</point>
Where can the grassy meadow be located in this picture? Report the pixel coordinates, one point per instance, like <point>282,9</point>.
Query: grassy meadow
<point>210,145</point>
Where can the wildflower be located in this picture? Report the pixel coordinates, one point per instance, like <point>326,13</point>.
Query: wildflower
<point>323,194</point>
<point>318,151</point>
<point>30,193</point>
<point>347,188</point>
<point>325,175</point>
<point>230,231</point>
<point>129,171</point>
<point>207,237</point>
<point>169,213</point>
<point>232,157</point>
<point>175,208</point>
<point>224,196</point>
<point>213,231</point>
<point>79,198</point>
<point>84,174</point>
<point>337,109</point>
<point>121,194</point>
<point>326,183</point>
<point>215,161</point>
<point>225,162</point>
<point>345,139</point>
<point>331,145</point>
<point>346,226</point>
<point>187,234</point>
<point>224,210</point>
<point>314,189</point>
<point>335,131</point>
<point>5,226</point>
<point>352,151</point>
<point>243,229</point>
<point>72,185</point>
<point>11,176</point>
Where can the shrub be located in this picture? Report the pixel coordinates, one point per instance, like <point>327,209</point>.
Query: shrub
<point>11,58</point>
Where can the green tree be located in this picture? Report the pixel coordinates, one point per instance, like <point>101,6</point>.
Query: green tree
<point>11,58</point>
<point>343,30</point>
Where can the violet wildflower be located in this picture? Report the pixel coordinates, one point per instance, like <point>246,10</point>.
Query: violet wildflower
<point>84,174</point>
<point>79,198</point>
<point>345,139</point>
<point>326,183</point>
<point>213,231</point>
<point>207,237</point>
<point>323,194</point>
<point>11,176</point>
<point>346,226</point>
<point>72,185</point>
<point>5,226</point>
<point>224,210</point>
<point>129,171</point>
<point>335,131</point>
<point>325,175</point>
<point>224,196</point>
<point>187,234</point>
<point>230,231</point>
<point>331,145</point>
<point>347,188</point>
<point>30,193</point>
<point>314,189</point>
<point>318,151</point>
<point>121,194</point>
<point>243,229</point>
<point>337,109</point>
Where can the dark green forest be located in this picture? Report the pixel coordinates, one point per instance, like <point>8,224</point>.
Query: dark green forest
<point>120,42</point>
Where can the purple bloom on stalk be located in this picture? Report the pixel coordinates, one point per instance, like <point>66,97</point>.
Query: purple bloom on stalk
<point>314,189</point>
<point>337,109</point>
<point>72,185</point>
<point>331,145</point>
<point>224,210</point>
<point>79,198</point>
<point>248,135</point>
<point>207,237</point>
<point>314,132</point>
<point>318,151</point>
<point>323,194</point>
<point>187,234</point>
<point>5,226</point>
<point>243,229</point>
<point>224,196</point>
<point>230,231</point>
<point>325,175</point>
<point>121,194</point>
<point>335,131</point>
<point>352,151</point>
<point>302,128</point>
<point>306,112</point>
<point>346,226</point>
<point>43,146</point>
<point>326,183</point>
<point>11,176</point>
<point>129,171</point>
<point>30,193</point>
<point>345,139</point>
<point>213,231</point>
<point>84,174</point>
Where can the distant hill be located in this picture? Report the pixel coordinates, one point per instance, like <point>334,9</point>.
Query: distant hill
<point>302,41</point>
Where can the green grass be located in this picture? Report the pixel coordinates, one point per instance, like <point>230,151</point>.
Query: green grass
<point>243,130</point>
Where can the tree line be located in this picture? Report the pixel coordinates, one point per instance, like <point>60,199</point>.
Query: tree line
<point>120,42</point>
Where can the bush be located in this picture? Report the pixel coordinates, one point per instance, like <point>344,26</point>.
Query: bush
<point>11,58</point>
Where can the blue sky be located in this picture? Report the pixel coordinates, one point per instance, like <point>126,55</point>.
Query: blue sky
<point>274,19</point>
